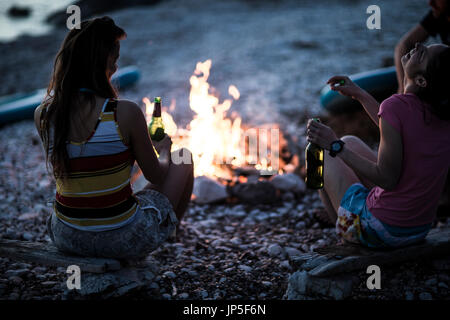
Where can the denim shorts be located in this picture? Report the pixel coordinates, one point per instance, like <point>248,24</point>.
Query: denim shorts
<point>153,223</point>
<point>356,224</point>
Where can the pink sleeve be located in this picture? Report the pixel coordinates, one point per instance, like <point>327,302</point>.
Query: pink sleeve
<point>390,111</point>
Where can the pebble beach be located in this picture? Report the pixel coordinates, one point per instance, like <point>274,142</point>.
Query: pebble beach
<point>279,56</point>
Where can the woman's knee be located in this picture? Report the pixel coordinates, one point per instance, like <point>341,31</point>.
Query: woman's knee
<point>352,140</point>
<point>357,145</point>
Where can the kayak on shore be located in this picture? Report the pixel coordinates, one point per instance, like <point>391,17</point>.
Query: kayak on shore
<point>21,106</point>
<point>380,83</point>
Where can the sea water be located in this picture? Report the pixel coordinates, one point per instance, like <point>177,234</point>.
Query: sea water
<point>34,24</point>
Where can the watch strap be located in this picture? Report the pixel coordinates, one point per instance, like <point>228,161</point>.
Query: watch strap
<point>334,153</point>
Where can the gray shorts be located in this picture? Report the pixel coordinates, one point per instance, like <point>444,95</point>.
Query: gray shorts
<point>154,222</point>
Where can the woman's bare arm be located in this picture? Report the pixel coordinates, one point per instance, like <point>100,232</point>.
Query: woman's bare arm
<point>132,121</point>
<point>348,88</point>
<point>385,172</point>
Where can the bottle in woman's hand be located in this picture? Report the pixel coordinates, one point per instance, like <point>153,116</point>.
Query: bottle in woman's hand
<point>156,126</point>
<point>314,165</point>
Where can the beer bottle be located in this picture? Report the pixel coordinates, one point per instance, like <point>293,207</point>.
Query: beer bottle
<point>314,165</point>
<point>156,126</point>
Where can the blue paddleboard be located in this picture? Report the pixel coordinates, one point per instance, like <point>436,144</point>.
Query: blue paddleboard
<point>380,83</point>
<point>21,106</point>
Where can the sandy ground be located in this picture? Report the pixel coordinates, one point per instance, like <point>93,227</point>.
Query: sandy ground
<point>278,55</point>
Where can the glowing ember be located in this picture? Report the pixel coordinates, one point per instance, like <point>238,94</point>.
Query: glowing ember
<point>214,140</point>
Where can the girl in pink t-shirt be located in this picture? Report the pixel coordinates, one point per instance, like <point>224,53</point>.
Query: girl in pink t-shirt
<point>390,199</point>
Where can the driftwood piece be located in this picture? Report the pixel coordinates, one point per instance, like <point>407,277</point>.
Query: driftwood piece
<point>341,259</point>
<point>327,272</point>
<point>47,254</point>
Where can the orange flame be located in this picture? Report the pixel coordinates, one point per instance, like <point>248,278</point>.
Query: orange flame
<point>212,138</point>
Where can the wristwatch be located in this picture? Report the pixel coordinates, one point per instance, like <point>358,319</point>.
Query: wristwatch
<point>336,147</point>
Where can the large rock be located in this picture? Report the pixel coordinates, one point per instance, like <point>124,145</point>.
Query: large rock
<point>112,284</point>
<point>327,272</point>
<point>207,190</point>
<point>255,192</point>
<point>289,182</point>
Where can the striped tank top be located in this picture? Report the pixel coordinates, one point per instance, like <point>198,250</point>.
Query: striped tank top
<point>97,194</point>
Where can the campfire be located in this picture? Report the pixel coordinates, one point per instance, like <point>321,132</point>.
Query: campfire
<point>223,148</point>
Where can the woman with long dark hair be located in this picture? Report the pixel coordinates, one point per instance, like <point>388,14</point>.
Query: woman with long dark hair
<point>91,141</point>
<point>390,199</point>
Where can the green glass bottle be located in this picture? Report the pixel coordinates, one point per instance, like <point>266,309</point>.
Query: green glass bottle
<point>156,126</point>
<point>314,165</point>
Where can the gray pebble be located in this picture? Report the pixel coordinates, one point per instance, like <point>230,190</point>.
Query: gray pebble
<point>262,216</point>
<point>274,250</point>
<point>273,215</point>
<point>170,274</point>
<point>39,270</point>
<point>236,241</point>
<point>238,214</point>
<point>17,273</point>
<point>425,296</point>
<point>285,264</point>
<point>292,252</point>
<point>16,280</point>
<point>249,221</point>
<point>154,285</point>
<point>229,229</point>
<point>166,296</point>
<point>245,268</point>
<point>409,295</point>
<point>266,283</point>
<point>14,296</point>
<point>431,282</point>
<point>300,225</point>
<point>203,294</point>
<point>183,295</point>
<point>11,234</point>
<point>216,243</point>
<point>442,285</point>
<point>193,273</point>
<point>27,236</point>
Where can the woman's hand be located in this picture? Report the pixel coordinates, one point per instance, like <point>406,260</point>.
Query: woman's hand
<point>345,86</point>
<point>164,145</point>
<point>320,134</point>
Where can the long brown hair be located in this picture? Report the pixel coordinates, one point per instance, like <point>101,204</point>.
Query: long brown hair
<point>81,62</point>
